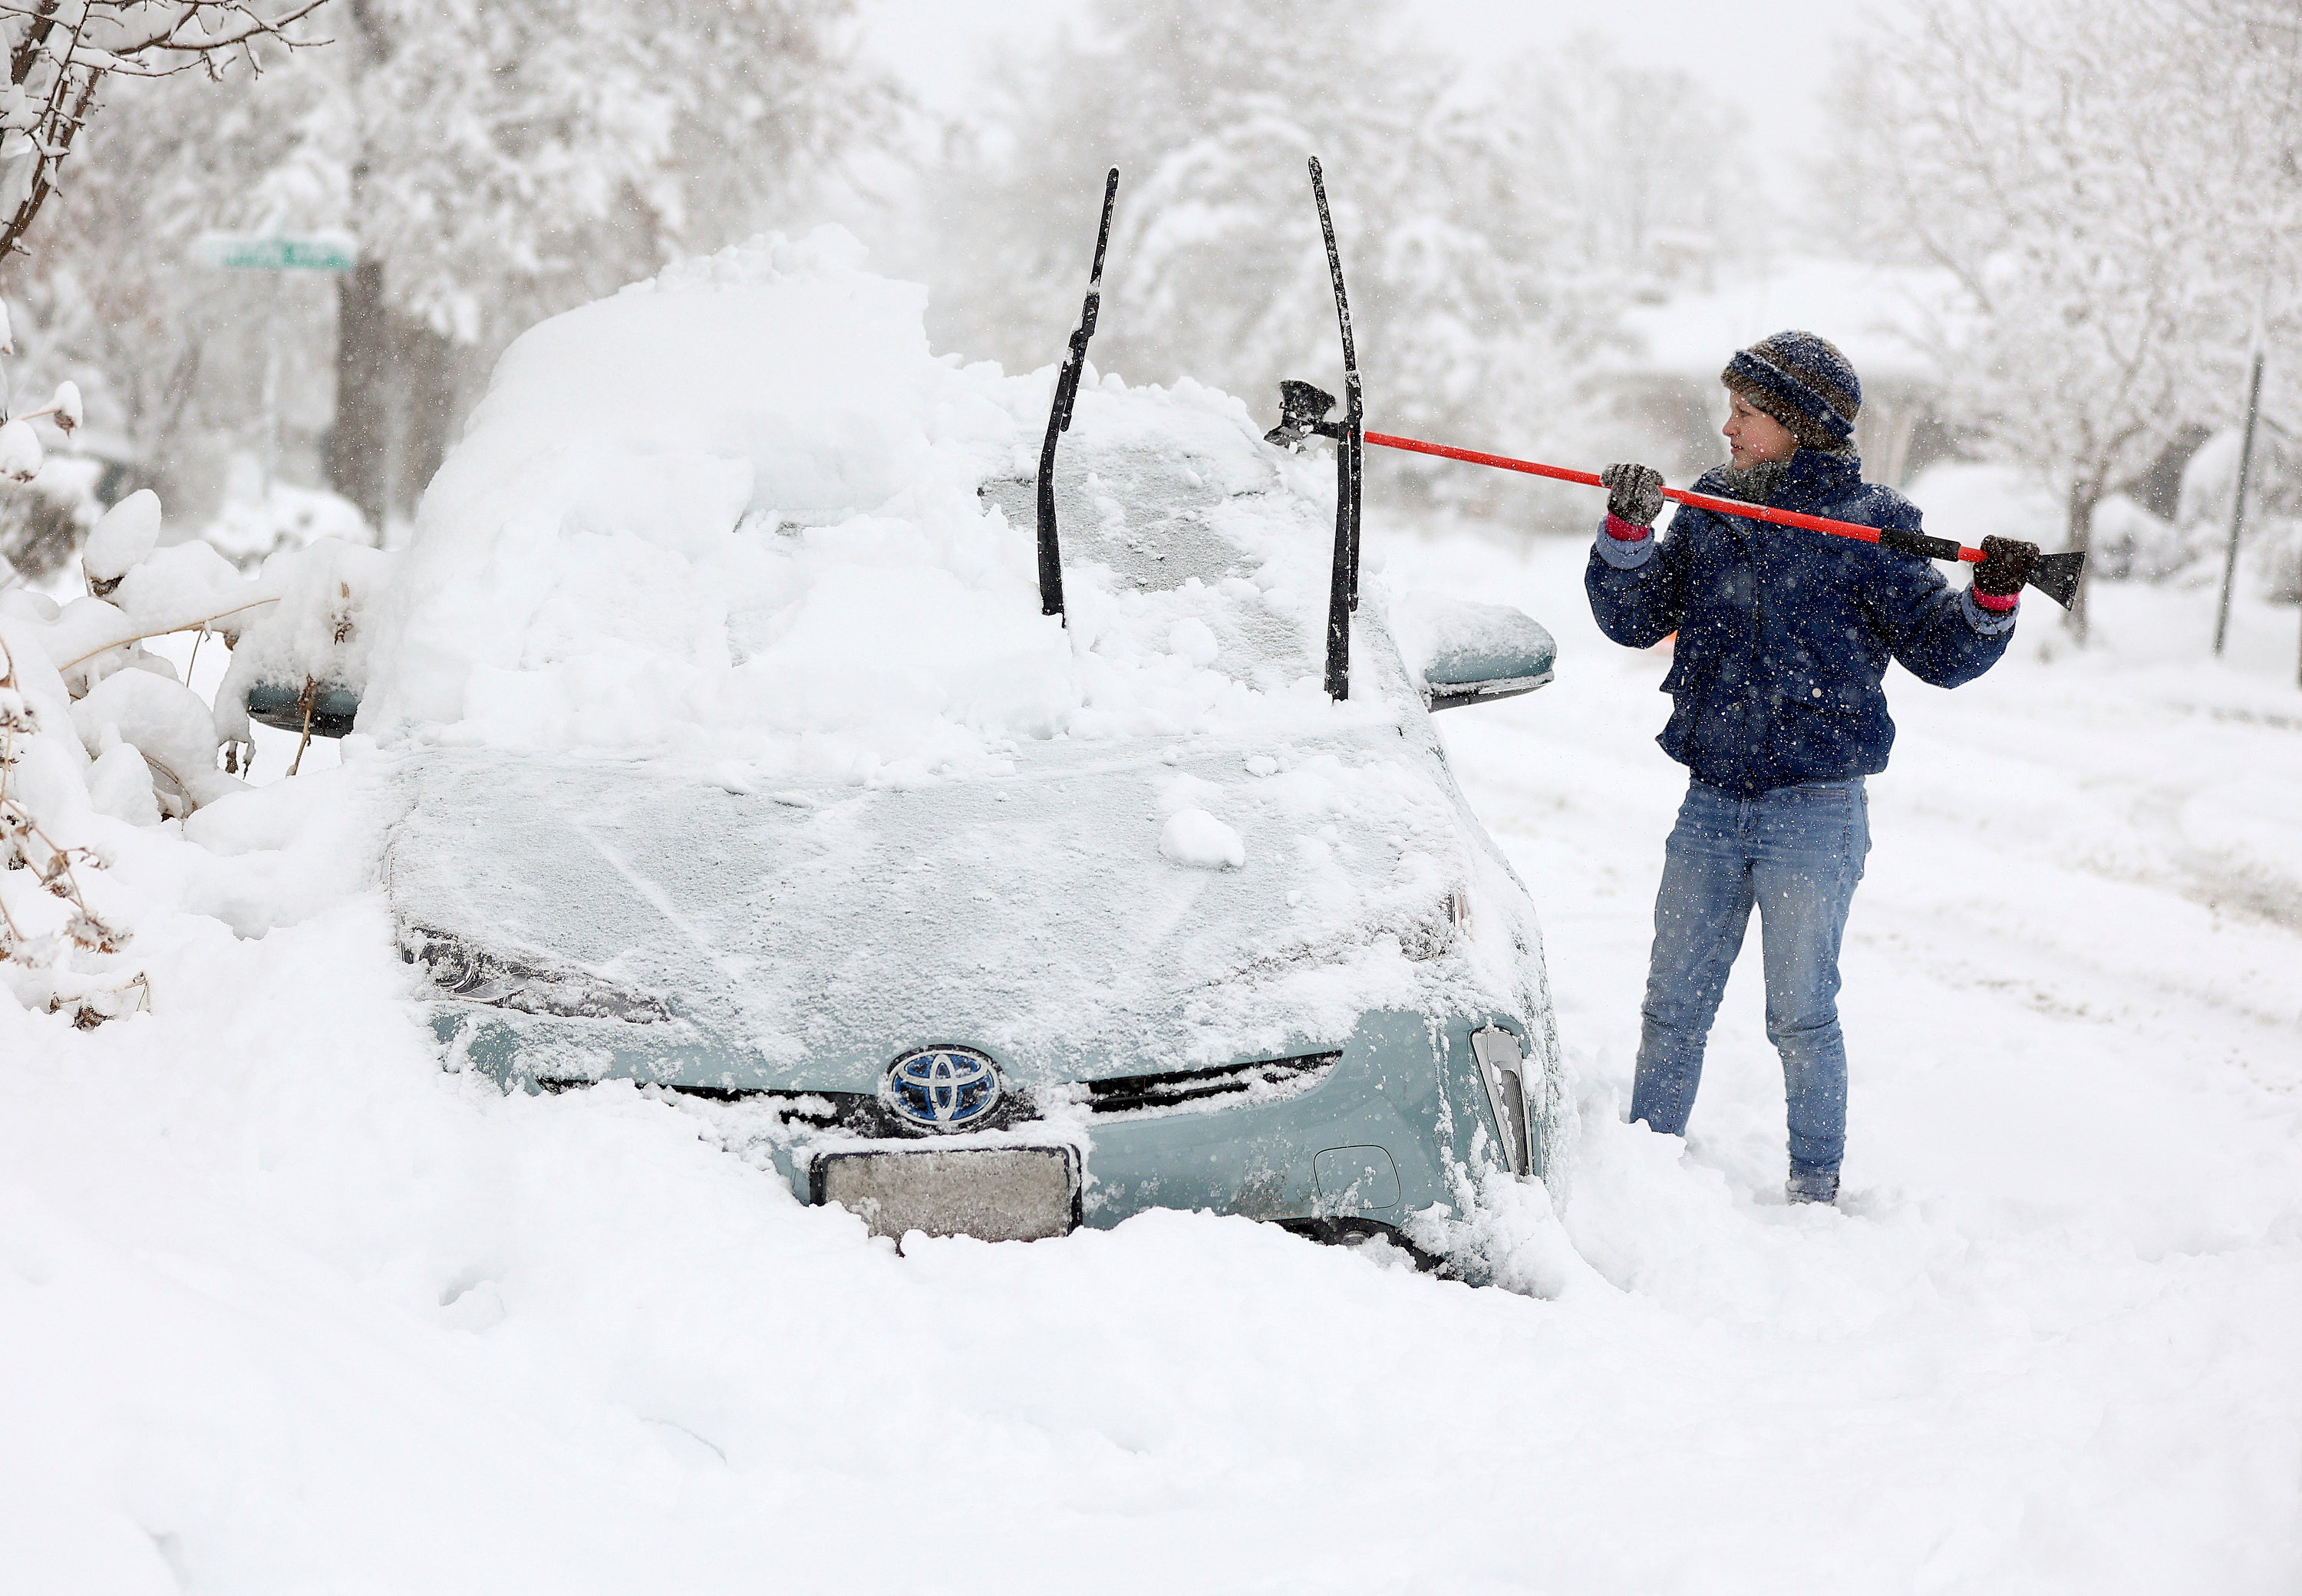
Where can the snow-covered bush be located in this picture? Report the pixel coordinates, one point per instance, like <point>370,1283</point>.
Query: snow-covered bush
<point>2271,545</point>
<point>51,896</point>
<point>259,519</point>
<point>97,730</point>
<point>20,453</point>
<point>45,520</point>
<point>2130,543</point>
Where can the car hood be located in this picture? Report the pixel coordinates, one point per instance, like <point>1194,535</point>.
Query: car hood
<point>608,910</point>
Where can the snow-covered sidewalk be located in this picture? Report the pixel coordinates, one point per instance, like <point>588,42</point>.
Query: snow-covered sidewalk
<point>287,1309</point>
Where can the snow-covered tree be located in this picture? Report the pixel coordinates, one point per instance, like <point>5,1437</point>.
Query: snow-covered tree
<point>86,290</point>
<point>2113,184</point>
<point>60,53</point>
<point>1644,164</point>
<point>60,936</point>
<point>500,162</point>
<point>116,298</point>
<point>1480,289</point>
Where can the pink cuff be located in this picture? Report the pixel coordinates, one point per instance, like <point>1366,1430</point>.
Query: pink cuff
<point>1994,603</point>
<point>1628,532</point>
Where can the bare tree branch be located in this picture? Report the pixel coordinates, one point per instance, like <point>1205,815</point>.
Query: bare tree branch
<point>60,55</point>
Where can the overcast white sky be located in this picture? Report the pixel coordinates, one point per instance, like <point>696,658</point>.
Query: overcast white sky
<point>1768,59</point>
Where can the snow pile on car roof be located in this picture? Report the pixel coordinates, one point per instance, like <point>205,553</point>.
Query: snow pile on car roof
<point>734,513</point>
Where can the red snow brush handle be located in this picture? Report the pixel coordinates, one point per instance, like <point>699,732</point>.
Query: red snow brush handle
<point>1912,543</point>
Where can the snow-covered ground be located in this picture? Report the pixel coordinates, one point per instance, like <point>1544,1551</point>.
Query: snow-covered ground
<point>285,1308</point>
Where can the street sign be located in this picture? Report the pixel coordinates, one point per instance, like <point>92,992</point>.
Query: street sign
<point>280,252</point>
<point>275,253</point>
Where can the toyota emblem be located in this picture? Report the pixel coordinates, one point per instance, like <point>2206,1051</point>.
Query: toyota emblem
<point>941,1088</point>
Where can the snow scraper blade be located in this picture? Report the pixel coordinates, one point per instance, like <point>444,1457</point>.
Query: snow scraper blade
<point>2056,576</point>
<point>1059,415</point>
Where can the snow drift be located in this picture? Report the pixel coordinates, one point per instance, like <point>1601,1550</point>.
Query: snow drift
<point>761,537</point>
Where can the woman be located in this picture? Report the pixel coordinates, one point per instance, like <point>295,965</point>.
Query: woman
<point>1778,715</point>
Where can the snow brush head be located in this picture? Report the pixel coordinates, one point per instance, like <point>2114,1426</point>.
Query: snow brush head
<point>1302,412</point>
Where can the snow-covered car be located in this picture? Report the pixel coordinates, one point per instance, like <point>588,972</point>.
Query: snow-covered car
<point>741,764</point>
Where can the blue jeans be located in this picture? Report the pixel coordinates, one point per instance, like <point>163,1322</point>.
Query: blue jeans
<point>1796,853</point>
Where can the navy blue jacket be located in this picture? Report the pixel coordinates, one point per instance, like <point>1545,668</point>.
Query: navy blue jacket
<point>1784,634</point>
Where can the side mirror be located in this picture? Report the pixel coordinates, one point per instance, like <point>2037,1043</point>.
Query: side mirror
<point>1464,653</point>
<point>281,705</point>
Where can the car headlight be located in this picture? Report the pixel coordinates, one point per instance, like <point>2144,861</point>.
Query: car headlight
<point>1502,1067</point>
<point>464,969</point>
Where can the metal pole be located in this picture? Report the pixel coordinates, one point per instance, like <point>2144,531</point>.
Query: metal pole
<point>2237,502</point>
<point>272,394</point>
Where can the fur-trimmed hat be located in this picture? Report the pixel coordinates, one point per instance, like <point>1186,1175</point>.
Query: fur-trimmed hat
<point>1803,382</point>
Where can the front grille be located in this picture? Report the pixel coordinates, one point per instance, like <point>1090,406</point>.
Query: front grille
<point>858,1111</point>
<point>1261,1080</point>
<point>1265,1079</point>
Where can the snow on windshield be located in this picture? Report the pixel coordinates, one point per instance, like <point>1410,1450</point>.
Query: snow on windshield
<point>743,512</point>
<point>1036,915</point>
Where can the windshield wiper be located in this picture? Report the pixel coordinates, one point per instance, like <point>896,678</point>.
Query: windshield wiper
<point>1059,418</point>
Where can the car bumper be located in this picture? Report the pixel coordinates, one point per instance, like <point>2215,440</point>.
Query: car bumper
<point>1381,1136</point>
<point>1388,1130</point>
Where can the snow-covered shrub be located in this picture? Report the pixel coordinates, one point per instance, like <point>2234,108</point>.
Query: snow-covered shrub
<point>51,899</point>
<point>123,539</point>
<point>2130,543</point>
<point>68,770</point>
<point>20,453</point>
<point>97,730</point>
<point>257,521</point>
<point>43,522</point>
<point>2271,546</point>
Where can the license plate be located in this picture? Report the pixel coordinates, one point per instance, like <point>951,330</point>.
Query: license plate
<point>997,1194</point>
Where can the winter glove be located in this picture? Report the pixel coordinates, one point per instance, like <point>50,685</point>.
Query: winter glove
<point>1634,493</point>
<point>2006,563</point>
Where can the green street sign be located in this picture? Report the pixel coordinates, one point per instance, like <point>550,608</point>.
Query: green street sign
<point>280,252</point>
